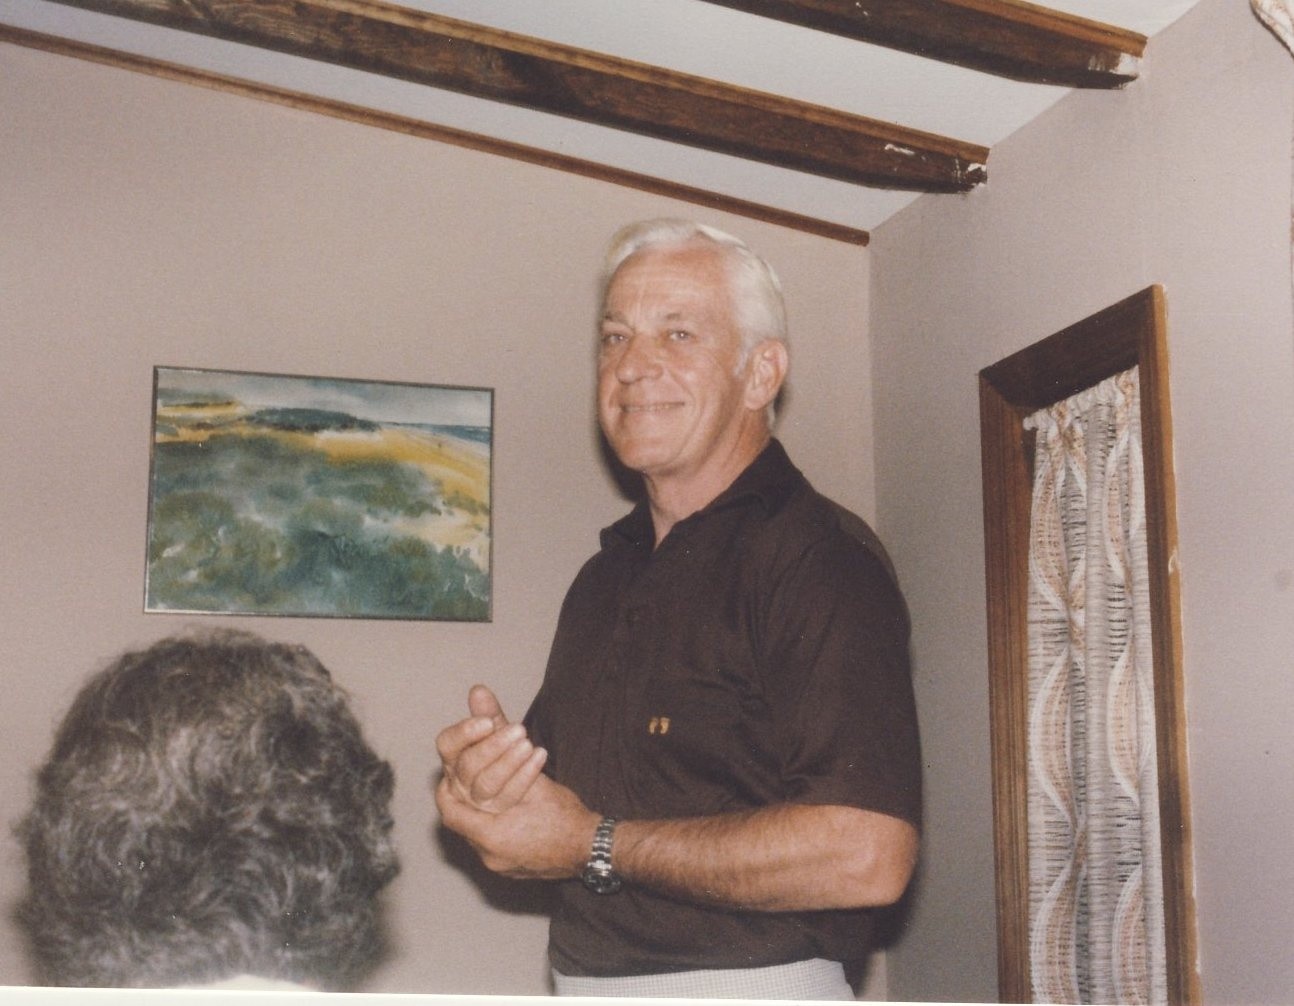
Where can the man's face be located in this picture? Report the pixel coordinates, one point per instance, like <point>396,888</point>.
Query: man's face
<point>670,400</point>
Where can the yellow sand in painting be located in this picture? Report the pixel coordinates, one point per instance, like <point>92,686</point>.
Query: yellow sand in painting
<point>222,417</point>
<point>458,466</point>
<point>211,412</point>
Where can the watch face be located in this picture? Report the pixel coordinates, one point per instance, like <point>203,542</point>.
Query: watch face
<point>599,882</point>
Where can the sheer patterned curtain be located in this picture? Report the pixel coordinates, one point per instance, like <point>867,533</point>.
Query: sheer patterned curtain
<point>1096,885</point>
<point>1278,15</point>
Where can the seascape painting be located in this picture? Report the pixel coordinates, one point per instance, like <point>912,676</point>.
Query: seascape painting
<point>280,495</point>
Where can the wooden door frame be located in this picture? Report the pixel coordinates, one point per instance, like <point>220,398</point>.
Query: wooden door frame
<point>1130,333</point>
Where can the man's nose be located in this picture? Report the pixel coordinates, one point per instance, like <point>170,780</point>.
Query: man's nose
<point>639,358</point>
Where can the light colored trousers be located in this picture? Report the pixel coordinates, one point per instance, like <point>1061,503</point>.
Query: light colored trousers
<point>815,979</point>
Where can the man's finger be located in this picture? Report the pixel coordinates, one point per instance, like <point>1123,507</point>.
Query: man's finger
<point>488,786</point>
<point>454,740</point>
<point>483,702</point>
<point>520,782</point>
<point>475,770</point>
<point>456,812</point>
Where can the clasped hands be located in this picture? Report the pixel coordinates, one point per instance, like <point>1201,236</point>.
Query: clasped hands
<point>493,792</point>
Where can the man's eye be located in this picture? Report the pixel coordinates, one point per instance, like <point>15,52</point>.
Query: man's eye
<point>680,335</point>
<point>612,338</point>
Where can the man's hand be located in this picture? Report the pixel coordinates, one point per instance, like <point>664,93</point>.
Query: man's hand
<point>493,793</point>
<point>546,836</point>
<point>785,857</point>
<point>489,763</point>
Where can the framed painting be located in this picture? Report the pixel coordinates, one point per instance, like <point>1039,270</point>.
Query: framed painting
<point>319,497</point>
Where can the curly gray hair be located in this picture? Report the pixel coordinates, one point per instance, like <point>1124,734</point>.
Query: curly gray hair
<point>209,808</point>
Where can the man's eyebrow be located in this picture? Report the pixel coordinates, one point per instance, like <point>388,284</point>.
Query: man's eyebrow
<point>670,318</point>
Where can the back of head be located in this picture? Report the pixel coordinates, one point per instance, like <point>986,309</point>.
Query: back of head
<point>210,808</point>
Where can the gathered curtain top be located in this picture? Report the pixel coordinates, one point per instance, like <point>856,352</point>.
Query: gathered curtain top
<point>1112,391</point>
<point>1278,15</point>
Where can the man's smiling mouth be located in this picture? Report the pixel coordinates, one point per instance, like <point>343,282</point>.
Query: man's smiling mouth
<point>650,407</point>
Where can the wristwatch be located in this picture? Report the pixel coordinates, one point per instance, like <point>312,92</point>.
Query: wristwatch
<point>598,876</point>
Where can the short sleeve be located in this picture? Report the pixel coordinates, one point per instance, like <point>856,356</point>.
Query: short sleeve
<point>836,674</point>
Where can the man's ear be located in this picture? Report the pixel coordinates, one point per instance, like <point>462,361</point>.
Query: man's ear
<point>765,372</point>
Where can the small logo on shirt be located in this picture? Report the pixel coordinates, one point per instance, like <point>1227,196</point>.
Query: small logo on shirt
<point>658,725</point>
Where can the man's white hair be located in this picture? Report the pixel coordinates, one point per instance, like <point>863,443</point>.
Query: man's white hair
<point>755,291</point>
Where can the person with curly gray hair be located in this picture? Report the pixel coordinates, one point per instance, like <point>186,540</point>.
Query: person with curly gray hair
<point>209,814</point>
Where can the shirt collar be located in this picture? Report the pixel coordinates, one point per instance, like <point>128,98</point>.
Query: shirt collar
<point>768,480</point>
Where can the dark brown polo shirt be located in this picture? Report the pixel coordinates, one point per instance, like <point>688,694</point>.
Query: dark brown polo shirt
<point>758,656</point>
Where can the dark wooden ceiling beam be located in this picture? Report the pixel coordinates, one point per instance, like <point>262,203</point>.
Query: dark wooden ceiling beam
<point>1004,37</point>
<point>456,55</point>
<point>431,131</point>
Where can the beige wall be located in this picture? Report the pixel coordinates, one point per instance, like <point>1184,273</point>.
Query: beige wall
<point>1181,179</point>
<point>144,222</point>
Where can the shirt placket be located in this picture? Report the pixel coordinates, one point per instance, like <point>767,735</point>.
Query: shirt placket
<point>637,644</point>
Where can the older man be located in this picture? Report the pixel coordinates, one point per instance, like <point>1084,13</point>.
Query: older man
<point>722,762</point>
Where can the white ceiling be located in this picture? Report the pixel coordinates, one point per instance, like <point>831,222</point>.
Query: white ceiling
<point>684,35</point>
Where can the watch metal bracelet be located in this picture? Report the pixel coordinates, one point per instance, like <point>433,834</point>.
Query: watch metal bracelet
<point>599,876</point>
